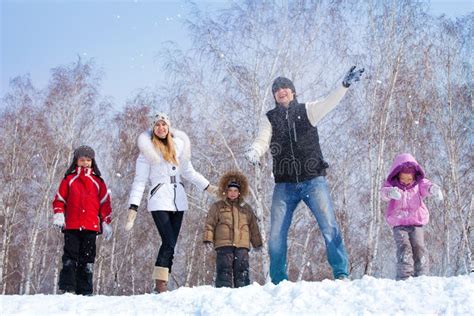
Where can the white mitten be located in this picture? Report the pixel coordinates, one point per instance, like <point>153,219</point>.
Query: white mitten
<point>212,189</point>
<point>107,231</point>
<point>252,156</point>
<point>58,220</point>
<point>208,246</point>
<point>394,193</point>
<point>131,216</point>
<point>436,192</point>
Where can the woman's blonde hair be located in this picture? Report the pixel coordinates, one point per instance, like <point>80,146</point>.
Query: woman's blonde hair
<point>166,147</point>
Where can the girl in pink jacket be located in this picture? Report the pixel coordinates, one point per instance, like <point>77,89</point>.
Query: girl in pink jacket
<point>404,189</point>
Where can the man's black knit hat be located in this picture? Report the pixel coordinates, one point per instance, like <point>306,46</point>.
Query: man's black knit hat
<point>282,82</point>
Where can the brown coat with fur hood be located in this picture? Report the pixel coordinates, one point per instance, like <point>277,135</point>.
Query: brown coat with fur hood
<point>232,223</point>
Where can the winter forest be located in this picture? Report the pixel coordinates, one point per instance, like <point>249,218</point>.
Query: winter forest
<point>415,96</point>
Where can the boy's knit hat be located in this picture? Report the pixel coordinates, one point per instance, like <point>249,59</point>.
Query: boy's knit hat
<point>282,82</point>
<point>84,151</point>
<point>160,116</point>
<point>233,184</point>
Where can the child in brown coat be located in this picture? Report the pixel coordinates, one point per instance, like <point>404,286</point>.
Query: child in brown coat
<point>231,226</point>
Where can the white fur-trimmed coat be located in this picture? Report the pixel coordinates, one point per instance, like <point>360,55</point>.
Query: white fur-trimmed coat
<point>151,167</point>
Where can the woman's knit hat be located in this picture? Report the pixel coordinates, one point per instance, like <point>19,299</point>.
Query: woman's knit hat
<point>160,116</point>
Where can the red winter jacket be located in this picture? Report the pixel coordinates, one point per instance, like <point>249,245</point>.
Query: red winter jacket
<point>84,199</point>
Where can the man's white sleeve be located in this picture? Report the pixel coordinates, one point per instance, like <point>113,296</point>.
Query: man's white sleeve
<point>262,142</point>
<point>318,109</point>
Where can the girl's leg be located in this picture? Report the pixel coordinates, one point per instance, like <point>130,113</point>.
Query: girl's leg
<point>85,264</point>
<point>67,276</point>
<point>404,264</point>
<point>420,256</point>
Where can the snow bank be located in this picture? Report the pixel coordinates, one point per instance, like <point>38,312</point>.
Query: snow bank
<point>423,295</point>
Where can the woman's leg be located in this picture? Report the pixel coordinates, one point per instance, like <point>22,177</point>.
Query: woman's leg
<point>168,225</point>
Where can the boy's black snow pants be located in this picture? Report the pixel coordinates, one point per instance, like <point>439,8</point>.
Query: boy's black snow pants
<point>78,262</point>
<point>232,264</point>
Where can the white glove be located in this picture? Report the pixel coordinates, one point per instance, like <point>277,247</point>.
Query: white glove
<point>436,192</point>
<point>394,193</point>
<point>58,220</point>
<point>252,156</point>
<point>131,216</point>
<point>212,189</point>
<point>208,246</point>
<point>107,231</point>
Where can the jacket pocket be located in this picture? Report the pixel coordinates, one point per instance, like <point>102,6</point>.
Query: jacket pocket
<point>155,189</point>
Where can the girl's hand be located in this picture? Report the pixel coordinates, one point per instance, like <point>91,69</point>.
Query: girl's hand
<point>394,193</point>
<point>58,220</point>
<point>436,192</point>
<point>107,231</point>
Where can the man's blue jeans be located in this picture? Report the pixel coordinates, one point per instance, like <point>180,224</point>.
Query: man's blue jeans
<point>315,194</point>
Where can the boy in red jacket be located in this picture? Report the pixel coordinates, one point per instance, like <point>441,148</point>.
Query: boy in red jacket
<point>82,210</point>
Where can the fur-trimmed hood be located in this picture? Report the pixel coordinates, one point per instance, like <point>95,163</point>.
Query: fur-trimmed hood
<point>182,144</point>
<point>236,176</point>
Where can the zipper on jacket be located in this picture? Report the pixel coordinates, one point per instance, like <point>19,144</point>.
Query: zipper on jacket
<point>291,144</point>
<point>233,223</point>
<point>153,191</point>
<point>294,131</point>
<point>174,197</point>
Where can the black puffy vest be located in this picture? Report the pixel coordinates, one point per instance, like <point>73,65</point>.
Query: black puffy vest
<point>294,145</point>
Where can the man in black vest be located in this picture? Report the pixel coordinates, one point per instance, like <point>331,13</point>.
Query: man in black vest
<point>290,131</point>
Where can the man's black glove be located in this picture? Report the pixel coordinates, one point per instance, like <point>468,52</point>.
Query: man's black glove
<point>352,76</point>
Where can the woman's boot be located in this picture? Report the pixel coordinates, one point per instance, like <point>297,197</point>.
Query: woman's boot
<point>160,275</point>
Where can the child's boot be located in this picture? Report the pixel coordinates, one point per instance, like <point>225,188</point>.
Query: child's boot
<point>84,277</point>
<point>67,277</point>
<point>160,275</point>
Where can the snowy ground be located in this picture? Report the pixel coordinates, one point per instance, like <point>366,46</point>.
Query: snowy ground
<point>366,296</point>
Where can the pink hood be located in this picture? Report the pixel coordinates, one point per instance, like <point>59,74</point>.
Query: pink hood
<point>401,161</point>
<point>410,209</point>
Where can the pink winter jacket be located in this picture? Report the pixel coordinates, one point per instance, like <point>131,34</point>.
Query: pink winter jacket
<point>410,209</point>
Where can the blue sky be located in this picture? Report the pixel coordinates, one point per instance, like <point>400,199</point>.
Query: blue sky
<point>123,37</point>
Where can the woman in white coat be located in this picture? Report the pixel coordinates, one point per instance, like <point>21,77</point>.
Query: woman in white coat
<point>163,160</point>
